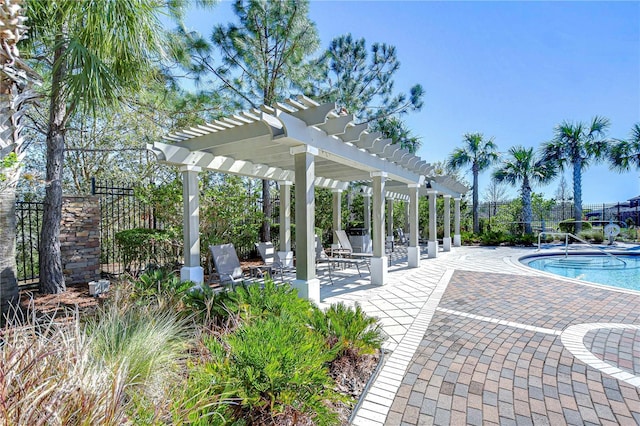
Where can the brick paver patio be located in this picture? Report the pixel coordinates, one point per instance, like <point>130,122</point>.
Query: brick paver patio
<point>472,371</point>
<point>475,338</point>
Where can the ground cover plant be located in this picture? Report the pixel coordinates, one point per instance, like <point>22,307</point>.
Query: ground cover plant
<point>158,351</point>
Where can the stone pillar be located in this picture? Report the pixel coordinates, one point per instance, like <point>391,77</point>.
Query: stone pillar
<point>433,236</point>
<point>413,251</point>
<point>306,283</point>
<point>457,240</point>
<point>389,219</point>
<point>80,239</point>
<point>285,254</point>
<point>191,271</point>
<point>446,240</point>
<point>379,259</point>
<point>337,213</point>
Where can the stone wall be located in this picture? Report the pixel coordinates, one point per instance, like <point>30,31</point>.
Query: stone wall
<point>80,239</point>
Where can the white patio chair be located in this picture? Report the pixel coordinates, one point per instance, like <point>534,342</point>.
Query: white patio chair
<point>227,264</point>
<point>271,260</point>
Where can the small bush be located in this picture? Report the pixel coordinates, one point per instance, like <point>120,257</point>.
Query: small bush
<point>142,247</point>
<point>273,369</point>
<point>350,329</point>
<point>492,238</point>
<point>250,301</point>
<point>569,225</point>
<point>595,236</point>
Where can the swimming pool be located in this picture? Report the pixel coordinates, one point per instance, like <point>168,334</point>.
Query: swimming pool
<point>622,271</point>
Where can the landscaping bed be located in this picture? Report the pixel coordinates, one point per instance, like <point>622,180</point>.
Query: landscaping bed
<point>157,351</point>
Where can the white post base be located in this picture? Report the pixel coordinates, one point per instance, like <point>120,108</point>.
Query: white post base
<point>192,273</point>
<point>446,244</point>
<point>433,249</point>
<point>457,241</point>
<point>286,258</point>
<point>379,270</point>
<point>413,256</point>
<point>308,289</point>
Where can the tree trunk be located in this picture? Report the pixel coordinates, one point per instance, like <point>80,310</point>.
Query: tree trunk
<point>8,268</point>
<point>476,207</point>
<point>577,195</point>
<point>265,231</point>
<point>51,276</point>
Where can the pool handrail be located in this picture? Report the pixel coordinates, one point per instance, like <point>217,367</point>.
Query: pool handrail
<point>566,244</point>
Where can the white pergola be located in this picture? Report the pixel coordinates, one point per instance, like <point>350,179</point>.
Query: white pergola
<point>309,144</point>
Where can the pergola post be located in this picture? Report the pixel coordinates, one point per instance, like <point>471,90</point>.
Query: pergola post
<point>337,213</point>
<point>433,237</point>
<point>457,241</point>
<point>379,260</point>
<point>306,283</point>
<point>389,219</point>
<point>285,254</point>
<point>191,271</point>
<point>446,240</point>
<point>413,251</point>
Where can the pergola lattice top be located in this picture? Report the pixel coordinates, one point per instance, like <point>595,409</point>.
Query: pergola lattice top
<point>258,143</point>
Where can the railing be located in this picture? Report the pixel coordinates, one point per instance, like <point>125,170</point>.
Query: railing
<point>566,244</point>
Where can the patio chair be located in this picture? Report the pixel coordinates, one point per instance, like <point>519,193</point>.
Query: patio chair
<point>343,239</point>
<point>402,237</point>
<point>269,256</point>
<point>227,264</point>
<point>322,257</point>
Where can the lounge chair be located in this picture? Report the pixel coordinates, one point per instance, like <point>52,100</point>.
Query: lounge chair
<point>322,257</point>
<point>227,264</point>
<point>345,244</point>
<point>269,256</point>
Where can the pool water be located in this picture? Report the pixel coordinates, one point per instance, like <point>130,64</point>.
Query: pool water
<point>622,271</point>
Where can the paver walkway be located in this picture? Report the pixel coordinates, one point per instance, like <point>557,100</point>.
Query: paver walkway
<point>478,339</point>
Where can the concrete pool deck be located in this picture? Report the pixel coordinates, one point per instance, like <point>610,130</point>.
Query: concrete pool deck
<point>476,338</point>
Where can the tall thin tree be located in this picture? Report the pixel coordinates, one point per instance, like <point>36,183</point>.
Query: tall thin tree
<point>263,58</point>
<point>577,144</point>
<point>96,50</point>
<point>480,153</point>
<point>17,80</point>
<point>524,168</point>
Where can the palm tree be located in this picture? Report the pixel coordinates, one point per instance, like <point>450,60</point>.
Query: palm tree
<point>523,167</point>
<point>625,154</point>
<point>16,94</point>
<point>577,144</point>
<point>96,52</point>
<point>480,153</point>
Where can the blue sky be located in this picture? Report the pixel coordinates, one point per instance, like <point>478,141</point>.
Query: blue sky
<point>510,70</point>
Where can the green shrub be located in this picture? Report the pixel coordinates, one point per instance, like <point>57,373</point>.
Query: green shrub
<point>250,301</point>
<point>569,225</point>
<point>595,236</point>
<point>349,328</point>
<point>142,247</point>
<point>492,238</point>
<point>273,368</point>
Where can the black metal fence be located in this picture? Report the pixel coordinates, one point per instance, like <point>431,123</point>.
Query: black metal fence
<point>28,225</point>
<point>120,210</point>
<point>625,214</point>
